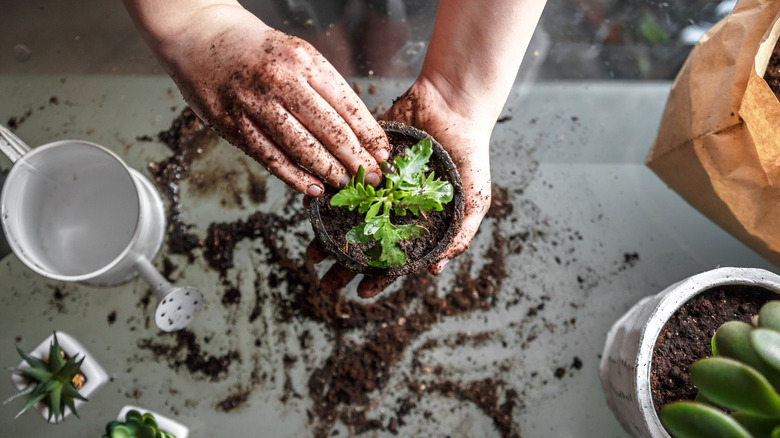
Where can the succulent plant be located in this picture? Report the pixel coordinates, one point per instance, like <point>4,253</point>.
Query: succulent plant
<point>739,388</point>
<point>50,380</point>
<point>136,425</point>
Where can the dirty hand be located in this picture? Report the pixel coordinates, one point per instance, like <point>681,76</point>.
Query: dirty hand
<point>268,93</point>
<point>466,140</point>
<point>465,135</point>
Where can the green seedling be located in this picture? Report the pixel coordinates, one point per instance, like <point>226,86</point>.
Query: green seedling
<point>50,381</point>
<point>408,187</point>
<point>135,425</point>
<point>738,387</point>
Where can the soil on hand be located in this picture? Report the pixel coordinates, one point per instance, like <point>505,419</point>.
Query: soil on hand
<point>687,335</point>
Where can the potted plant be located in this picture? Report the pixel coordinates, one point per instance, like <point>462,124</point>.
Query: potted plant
<point>134,422</point>
<point>60,376</point>
<point>406,222</point>
<point>743,376</point>
<point>627,358</point>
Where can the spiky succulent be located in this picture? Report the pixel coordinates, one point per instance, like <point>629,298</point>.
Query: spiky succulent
<point>743,378</point>
<point>50,381</point>
<point>136,425</point>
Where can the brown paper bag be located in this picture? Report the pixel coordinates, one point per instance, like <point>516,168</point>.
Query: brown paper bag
<point>718,145</point>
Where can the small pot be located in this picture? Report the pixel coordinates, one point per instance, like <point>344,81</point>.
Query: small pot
<point>164,423</point>
<point>94,374</point>
<point>320,209</point>
<point>626,361</point>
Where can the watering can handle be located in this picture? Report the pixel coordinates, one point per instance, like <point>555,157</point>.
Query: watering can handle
<point>11,145</point>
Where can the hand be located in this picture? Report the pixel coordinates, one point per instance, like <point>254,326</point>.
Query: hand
<point>275,97</point>
<point>464,132</point>
<point>466,139</point>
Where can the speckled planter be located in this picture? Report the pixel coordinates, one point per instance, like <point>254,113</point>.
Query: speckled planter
<point>627,357</point>
<point>164,423</point>
<point>458,202</point>
<point>93,372</point>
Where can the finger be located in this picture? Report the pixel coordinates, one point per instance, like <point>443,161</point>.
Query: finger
<point>371,286</point>
<point>325,123</point>
<point>336,91</point>
<point>298,143</point>
<point>336,278</point>
<point>315,252</point>
<point>263,150</point>
<point>474,211</point>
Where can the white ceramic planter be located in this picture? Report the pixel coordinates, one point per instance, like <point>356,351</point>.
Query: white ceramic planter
<point>627,357</point>
<point>93,372</point>
<point>164,423</point>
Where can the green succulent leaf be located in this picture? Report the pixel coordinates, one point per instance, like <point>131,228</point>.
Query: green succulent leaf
<point>757,426</point>
<point>732,339</point>
<point>50,381</point>
<point>736,386</point>
<point>769,315</point>
<point>766,343</point>
<point>407,188</point>
<point>35,398</point>
<point>697,420</point>
<point>34,362</point>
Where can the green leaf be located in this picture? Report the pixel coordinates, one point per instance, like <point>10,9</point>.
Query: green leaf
<point>757,426</point>
<point>56,361</point>
<point>769,316</point>
<point>732,339</point>
<point>373,210</point>
<point>349,196</point>
<point>410,231</point>
<point>30,403</point>
<point>766,342</point>
<point>413,161</point>
<point>35,374</point>
<point>32,361</point>
<point>736,386</point>
<point>651,31</point>
<point>696,420</point>
<point>358,235</point>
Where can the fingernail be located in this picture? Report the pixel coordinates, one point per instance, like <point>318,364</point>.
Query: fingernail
<point>372,178</point>
<point>314,190</point>
<point>440,266</point>
<point>382,155</point>
<point>345,180</point>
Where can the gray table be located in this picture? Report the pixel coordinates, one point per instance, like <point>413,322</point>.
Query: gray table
<point>591,231</point>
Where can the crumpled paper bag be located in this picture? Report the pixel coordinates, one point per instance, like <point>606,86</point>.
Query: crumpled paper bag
<point>718,145</point>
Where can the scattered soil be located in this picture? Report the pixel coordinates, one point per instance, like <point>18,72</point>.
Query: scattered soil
<point>369,339</point>
<point>772,74</point>
<point>686,337</point>
<point>188,137</point>
<point>186,352</point>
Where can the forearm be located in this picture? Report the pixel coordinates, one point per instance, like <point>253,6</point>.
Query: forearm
<point>476,50</point>
<point>166,25</point>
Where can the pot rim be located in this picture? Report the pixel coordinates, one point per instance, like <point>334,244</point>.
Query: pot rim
<point>671,299</point>
<point>458,201</point>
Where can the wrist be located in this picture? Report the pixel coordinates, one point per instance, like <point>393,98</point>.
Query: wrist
<point>170,27</point>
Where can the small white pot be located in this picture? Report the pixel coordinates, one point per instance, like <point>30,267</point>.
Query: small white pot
<point>627,357</point>
<point>164,423</point>
<point>93,372</point>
